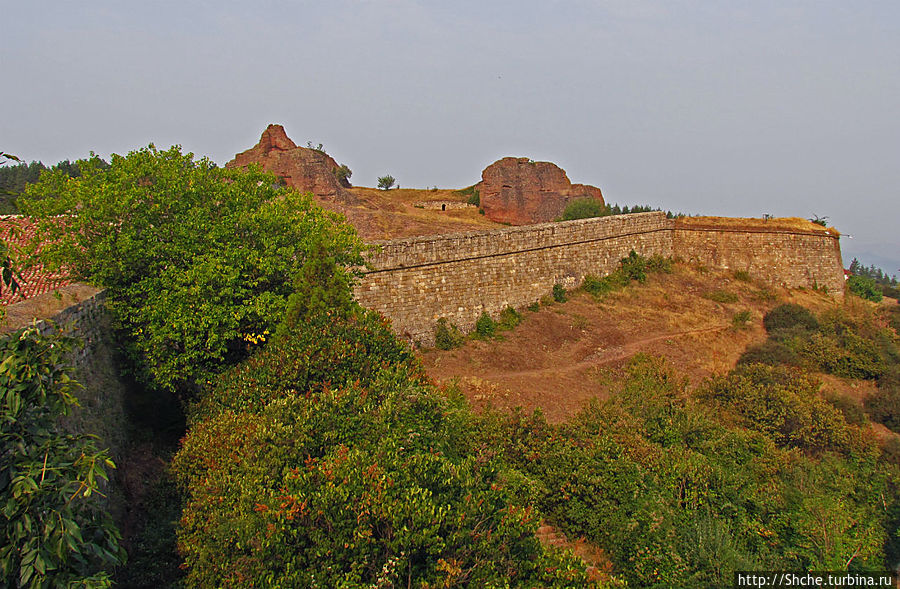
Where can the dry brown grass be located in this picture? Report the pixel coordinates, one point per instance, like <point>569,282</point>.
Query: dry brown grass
<point>563,355</point>
<point>45,306</point>
<point>775,223</point>
<point>390,214</point>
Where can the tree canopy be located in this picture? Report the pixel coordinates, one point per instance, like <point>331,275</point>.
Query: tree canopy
<point>386,182</point>
<point>198,260</point>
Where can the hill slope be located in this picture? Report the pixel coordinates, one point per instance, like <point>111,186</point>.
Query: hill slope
<point>565,354</point>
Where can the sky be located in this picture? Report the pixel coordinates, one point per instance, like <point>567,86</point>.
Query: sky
<point>737,108</point>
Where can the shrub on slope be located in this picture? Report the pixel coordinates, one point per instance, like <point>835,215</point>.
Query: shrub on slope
<point>327,460</point>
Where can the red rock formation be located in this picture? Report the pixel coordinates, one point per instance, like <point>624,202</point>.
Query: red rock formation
<point>519,191</point>
<point>305,169</point>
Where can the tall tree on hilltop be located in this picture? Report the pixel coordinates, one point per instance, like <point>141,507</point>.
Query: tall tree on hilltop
<point>198,260</point>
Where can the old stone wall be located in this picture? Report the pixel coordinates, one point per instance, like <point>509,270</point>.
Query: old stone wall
<point>789,258</point>
<point>80,311</point>
<point>85,320</point>
<point>417,281</point>
<point>442,205</point>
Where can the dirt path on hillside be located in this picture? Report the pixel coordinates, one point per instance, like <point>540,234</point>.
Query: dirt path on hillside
<point>568,375</point>
<point>614,354</point>
<point>563,355</point>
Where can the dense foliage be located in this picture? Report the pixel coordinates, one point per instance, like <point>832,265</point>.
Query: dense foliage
<point>585,208</point>
<point>865,288</point>
<point>386,182</point>
<point>788,316</point>
<point>884,282</point>
<point>485,327</point>
<point>14,179</point>
<point>53,530</point>
<point>678,498</point>
<point>447,335</point>
<point>198,261</point>
<point>327,460</point>
<point>840,342</point>
<point>633,267</point>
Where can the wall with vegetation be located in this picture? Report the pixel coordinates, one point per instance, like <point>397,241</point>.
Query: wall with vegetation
<point>102,410</point>
<point>419,280</point>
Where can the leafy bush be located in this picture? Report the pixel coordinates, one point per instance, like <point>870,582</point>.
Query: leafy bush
<point>894,318</point>
<point>592,284</point>
<point>54,532</point>
<point>634,267</point>
<point>789,315</point>
<point>865,288</point>
<point>890,451</point>
<point>331,350</point>
<point>343,173</point>
<point>782,404</point>
<point>386,182</point>
<point>509,319</point>
<point>741,275</point>
<point>883,406</point>
<point>741,318</point>
<point>851,411</point>
<point>721,296</point>
<point>678,498</point>
<point>891,376</point>
<point>584,208</point>
<point>772,353</point>
<point>661,264</point>
<point>197,260</point>
<point>559,293</point>
<point>849,355</point>
<point>601,286</point>
<point>485,326</point>
<point>474,198</point>
<point>447,336</point>
<point>364,478</point>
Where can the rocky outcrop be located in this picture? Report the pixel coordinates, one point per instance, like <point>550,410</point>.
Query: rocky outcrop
<point>307,170</point>
<point>520,191</point>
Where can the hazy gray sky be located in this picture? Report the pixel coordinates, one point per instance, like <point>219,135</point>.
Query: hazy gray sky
<point>741,108</point>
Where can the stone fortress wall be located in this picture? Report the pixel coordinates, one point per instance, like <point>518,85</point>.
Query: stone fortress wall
<point>784,257</point>
<point>417,281</point>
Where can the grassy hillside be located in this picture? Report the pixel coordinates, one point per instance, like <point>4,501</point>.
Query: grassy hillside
<point>564,354</point>
<point>639,425</point>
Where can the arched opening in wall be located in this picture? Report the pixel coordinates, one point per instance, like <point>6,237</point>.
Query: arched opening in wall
<point>443,207</point>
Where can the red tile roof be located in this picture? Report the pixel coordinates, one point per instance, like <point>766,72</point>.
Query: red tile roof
<point>16,231</point>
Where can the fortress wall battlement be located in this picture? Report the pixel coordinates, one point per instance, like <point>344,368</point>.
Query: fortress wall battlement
<point>416,281</point>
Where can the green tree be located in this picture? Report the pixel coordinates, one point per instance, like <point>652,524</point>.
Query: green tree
<point>8,274</point>
<point>343,173</point>
<point>198,260</point>
<point>584,208</point>
<point>321,287</point>
<point>53,532</point>
<point>865,288</point>
<point>386,182</point>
